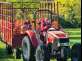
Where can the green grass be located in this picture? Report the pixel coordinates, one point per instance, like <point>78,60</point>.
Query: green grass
<point>75,37</point>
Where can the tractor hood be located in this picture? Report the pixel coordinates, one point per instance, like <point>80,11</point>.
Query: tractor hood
<point>57,34</point>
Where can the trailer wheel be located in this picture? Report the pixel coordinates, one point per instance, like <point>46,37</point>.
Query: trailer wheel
<point>76,52</point>
<point>27,49</point>
<point>17,54</point>
<point>8,49</point>
<point>42,53</point>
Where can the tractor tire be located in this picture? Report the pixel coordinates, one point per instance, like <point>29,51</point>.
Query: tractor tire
<point>17,54</point>
<point>76,50</point>
<point>42,53</point>
<point>8,49</point>
<point>61,59</point>
<point>27,49</point>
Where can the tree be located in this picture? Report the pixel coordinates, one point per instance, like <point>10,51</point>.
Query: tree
<point>71,11</point>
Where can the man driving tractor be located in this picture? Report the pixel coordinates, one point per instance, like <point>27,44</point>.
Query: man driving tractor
<point>44,27</point>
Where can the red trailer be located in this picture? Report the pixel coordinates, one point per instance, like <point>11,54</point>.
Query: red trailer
<point>8,18</point>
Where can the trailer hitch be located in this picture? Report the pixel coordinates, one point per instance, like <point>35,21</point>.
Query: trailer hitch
<point>68,32</point>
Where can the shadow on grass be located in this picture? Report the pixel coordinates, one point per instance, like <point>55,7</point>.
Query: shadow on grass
<point>3,54</point>
<point>52,58</point>
<point>72,29</point>
<point>75,33</point>
<point>72,43</point>
<point>74,37</point>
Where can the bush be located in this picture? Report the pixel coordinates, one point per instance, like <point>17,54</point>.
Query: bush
<point>68,24</point>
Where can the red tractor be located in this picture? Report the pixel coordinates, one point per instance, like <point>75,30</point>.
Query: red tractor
<point>57,45</point>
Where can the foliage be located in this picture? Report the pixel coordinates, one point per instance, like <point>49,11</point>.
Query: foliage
<point>69,11</point>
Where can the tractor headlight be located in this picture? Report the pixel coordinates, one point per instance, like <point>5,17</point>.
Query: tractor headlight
<point>58,44</point>
<point>63,44</point>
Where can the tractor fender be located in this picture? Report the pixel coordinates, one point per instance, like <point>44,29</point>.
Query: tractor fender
<point>32,37</point>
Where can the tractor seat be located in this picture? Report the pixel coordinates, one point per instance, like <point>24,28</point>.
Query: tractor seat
<point>51,29</point>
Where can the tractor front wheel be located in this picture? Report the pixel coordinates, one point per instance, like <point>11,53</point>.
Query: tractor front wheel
<point>42,53</point>
<point>76,52</point>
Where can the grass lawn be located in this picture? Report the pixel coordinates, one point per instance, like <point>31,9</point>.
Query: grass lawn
<point>75,37</point>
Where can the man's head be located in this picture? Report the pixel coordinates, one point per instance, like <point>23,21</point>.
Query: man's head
<point>39,23</point>
<point>46,20</point>
<point>40,20</point>
<point>25,23</point>
<point>18,23</point>
<point>28,22</point>
<point>14,21</point>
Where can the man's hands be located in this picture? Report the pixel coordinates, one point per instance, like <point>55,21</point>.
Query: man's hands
<point>46,27</point>
<point>53,26</point>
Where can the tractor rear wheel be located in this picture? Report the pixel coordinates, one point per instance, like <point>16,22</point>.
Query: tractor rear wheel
<point>76,52</point>
<point>8,49</point>
<point>42,53</point>
<point>27,49</point>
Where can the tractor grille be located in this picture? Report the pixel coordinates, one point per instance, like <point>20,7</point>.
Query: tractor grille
<point>54,44</point>
<point>64,40</point>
